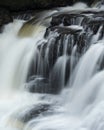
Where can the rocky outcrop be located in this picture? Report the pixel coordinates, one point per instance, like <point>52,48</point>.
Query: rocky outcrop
<point>67,31</point>
<point>28,113</point>
<point>32,4</point>
<point>34,112</point>
<point>5,18</point>
<point>17,9</point>
<point>38,84</point>
<point>38,4</point>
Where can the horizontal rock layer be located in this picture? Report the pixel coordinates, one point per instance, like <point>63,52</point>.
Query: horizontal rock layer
<point>38,4</point>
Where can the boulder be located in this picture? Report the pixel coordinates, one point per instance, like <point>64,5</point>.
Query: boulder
<point>34,112</point>
<point>38,85</point>
<point>66,19</point>
<point>28,113</point>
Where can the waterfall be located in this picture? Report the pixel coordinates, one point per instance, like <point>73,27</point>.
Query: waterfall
<point>52,70</point>
<point>15,54</point>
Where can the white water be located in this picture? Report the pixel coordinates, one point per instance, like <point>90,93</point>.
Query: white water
<point>80,106</point>
<point>15,57</point>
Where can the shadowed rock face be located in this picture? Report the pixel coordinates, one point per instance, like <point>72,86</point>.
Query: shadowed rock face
<point>38,4</point>
<point>32,4</point>
<point>67,30</point>
<point>29,113</point>
<point>5,18</point>
<point>34,112</point>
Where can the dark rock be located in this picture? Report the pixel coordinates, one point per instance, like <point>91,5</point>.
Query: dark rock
<point>55,46</point>
<point>96,21</point>
<point>62,36</point>
<point>17,5</point>
<point>75,36</point>
<point>24,15</point>
<point>102,2</point>
<point>101,33</point>
<point>100,63</point>
<point>66,19</point>
<point>98,3</point>
<point>94,26</point>
<point>65,30</point>
<point>33,4</point>
<point>38,85</point>
<point>34,112</point>
<point>5,17</point>
<point>89,2</point>
<point>92,22</point>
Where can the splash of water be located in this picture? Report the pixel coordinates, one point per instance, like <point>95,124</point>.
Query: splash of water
<point>15,55</point>
<point>80,106</point>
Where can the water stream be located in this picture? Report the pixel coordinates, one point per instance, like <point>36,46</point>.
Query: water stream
<point>79,105</point>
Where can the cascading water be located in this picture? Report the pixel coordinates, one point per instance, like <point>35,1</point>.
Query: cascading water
<point>15,54</point>
<point>52,79</point>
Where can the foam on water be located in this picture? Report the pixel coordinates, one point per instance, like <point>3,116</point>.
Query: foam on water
<point>80,106</point>
<point>15,57</point>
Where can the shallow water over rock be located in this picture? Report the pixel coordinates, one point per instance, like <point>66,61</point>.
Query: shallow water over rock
<point>51,71</point>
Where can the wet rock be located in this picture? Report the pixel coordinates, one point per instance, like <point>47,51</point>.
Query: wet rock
<point>23,15</point>
<point>98,3</point>
<point>5,17</point>
<point>101,63</point>
<point>57,38</point>
<point>38,85</point>
<point>74,35</point>
<point>34,112</point>
<point>66,30</point>
<point>66,19</point>
<point>62,36</point>
<point>97,21</point>
<point>33,4</point>
<point>16,5</point>
<point>89,2</point>
<point>102,2</point>
<point>38,4</point>
<point>93,21</point>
